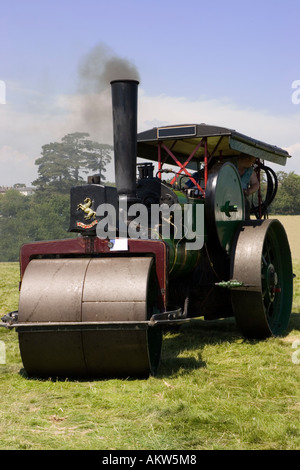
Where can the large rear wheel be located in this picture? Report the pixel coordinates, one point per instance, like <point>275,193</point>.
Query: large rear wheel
<point>261,260</point>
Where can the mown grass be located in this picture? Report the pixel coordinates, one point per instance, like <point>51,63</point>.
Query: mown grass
<point>214,390</point>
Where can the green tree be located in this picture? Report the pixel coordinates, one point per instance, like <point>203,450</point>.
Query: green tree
<point>74,153</point>
<point>25,219</point>
<point>97,157</point>
<point>287,200</point>
<point>12,203</point>
<point>13,209</point>
<point>60,165</point>
<point>53,169</point>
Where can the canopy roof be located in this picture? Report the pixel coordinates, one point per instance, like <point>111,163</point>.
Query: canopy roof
<point>183,139</point>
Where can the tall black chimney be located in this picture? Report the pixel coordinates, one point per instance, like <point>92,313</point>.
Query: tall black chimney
<point>124,107</point>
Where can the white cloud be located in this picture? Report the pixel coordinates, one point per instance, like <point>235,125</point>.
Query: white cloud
<point>24,131</point>
<point>7,153</point>
<point>294,164</point>
<point>279,130</point>
<point>20,166</point>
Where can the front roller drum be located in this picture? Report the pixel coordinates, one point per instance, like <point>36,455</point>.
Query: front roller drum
<point>88,317</point>
<point>261,261</point>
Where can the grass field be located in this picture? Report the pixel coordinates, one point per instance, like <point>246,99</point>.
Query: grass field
<point>291,224</point>
<point>214,390</point>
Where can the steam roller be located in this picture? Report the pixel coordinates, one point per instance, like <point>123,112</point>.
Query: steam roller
<point>153,253</point>
<point>77,294</point>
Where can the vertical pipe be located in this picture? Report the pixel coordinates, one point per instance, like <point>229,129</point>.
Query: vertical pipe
<point>124,108</point>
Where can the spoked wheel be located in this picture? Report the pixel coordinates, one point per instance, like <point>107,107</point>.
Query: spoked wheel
<point>261,260</point>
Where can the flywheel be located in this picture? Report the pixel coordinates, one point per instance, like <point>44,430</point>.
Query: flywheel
<point>224,205</point>
<point>261,261</point>
<point>89,317</point>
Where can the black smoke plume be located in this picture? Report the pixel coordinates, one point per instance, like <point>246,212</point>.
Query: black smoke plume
<point>95,72</point>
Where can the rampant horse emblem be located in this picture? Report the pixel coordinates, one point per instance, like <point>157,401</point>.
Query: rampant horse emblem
<point>86,207</point>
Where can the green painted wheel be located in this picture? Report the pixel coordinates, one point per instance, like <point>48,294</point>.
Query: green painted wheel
<point>224,204</point>
<point>262,261</point>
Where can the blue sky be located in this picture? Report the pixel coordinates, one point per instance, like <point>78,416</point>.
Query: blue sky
<point>230,63</point>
